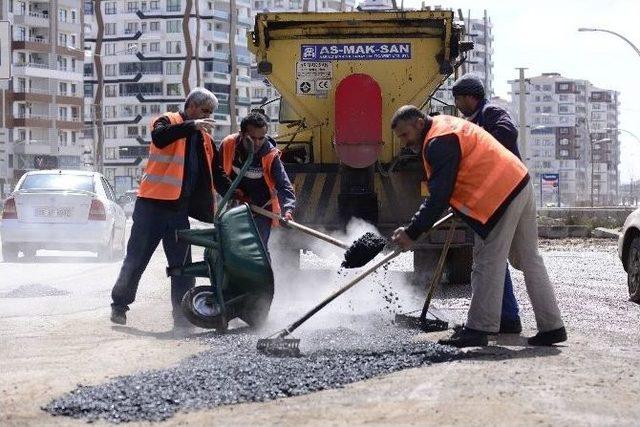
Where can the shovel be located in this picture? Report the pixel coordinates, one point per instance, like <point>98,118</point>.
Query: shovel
<point>279,345</point>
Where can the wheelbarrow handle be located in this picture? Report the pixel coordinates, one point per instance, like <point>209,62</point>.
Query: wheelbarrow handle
<point>299,227</point>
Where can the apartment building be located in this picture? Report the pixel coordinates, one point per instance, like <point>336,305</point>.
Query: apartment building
<point>572,132</point>
<point>42,109</point>
<point>479,61</point>
<point>142,59</point>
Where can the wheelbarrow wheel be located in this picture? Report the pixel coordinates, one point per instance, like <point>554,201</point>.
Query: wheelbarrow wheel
<point>256,310</point>
<point>200,307</point>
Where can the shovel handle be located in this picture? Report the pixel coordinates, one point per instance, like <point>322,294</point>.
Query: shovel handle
<point>299,227</point>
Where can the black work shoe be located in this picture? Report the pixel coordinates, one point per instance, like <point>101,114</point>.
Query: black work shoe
<point>510,326</point>
<point>119,315</point>
<point>549,337</point>
<point>466,337</point>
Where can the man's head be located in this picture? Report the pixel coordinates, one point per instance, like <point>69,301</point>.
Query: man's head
<point>254,128</point>
<point>468,92</point>
<point>200,104</point>
<point>409,125</point>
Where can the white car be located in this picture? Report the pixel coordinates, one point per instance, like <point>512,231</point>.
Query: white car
<point>629,253</point>
<point>62,210</point>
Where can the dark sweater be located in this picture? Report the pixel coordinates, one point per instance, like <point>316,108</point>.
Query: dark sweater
<point>443,154</point>
<point>497,121</point>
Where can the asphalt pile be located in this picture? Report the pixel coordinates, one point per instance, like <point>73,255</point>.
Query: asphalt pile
<point>363,250</point>
<point>234,372</point>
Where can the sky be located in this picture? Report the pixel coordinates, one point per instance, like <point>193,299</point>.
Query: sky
<point>543,36</point>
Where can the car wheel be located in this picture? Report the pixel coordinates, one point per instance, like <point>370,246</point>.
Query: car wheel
<point>9,253</point>
<point>633,270</point>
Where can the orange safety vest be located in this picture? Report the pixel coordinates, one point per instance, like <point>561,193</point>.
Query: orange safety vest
<point>488,172</point>
<point>228,148</point>
<point>164,172</point>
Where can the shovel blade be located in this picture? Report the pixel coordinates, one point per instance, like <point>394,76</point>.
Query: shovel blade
<point>416,322</point>
<point>279,347</point>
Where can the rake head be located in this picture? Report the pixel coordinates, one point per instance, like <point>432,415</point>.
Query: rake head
<point>279,346</point>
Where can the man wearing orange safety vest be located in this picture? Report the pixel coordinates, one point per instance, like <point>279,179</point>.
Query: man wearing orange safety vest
<point>489,188</point>
<point>266,182</point>
<point>180,179</point>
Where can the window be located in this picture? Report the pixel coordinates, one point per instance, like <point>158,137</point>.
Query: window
<point>74,89</point>
<point>62,113</point>
<point>132,6</point>
<point>173,26</point>
<point>88,7</point>
<point>74,16</point>
<point>563,97</point>
<point>546,88</point>
<point>173,89</point>
<point>88,90</point>
<point>109,49</point>
<point>132,89</point>
<point>110,132</point>
<point>62,39</point>
<point>154,5</point>
<point>62,88</point>
<point>132,68</point>
<point>132,28</point>
<point>154,26</point>
<point>174,108</point>
<point>132,131</point>
<point>132,48</point>
<point>154,47</point>
<point>173,5</point>
<point>144,27</point>
<point>174,47</point>
<point>110,111</point>
<point>110,8</point>
<point>110,70</point>
<point>62,15</point>
<point>174,68</point>
<point>110,91</point>
<point>110,153</point>
<point>144,47</point>
<point>88,70</point>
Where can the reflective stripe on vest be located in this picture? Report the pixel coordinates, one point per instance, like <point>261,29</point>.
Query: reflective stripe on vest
<point>228,148</point>
<point>488,172</point>
<point>164,172</point>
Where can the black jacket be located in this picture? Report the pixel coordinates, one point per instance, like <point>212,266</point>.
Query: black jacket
<point>198,204</point>
<point>497,121</point>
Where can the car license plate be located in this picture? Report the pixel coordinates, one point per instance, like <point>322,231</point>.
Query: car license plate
<point>48,212</point>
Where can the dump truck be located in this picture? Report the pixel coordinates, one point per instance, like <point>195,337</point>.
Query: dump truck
<point>341,76</point>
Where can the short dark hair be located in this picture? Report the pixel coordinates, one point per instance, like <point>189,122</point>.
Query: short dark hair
<point>254,119</point>
<point>406,112</point>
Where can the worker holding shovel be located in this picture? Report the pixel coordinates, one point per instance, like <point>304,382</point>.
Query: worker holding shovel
<point>490,189</point>
<point>266,183</point>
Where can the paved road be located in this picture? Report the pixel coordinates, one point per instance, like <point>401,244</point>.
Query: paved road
<point>55,334</point>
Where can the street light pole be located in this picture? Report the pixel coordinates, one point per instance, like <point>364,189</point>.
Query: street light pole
<point>611,32</point>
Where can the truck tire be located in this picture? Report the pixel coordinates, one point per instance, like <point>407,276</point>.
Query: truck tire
<point>199,308</point>
<point>9,252</point>
<point>459,265</point>
<point>424,265</point>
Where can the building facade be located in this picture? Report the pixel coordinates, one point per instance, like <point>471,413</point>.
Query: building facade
<point>479,61</point>
<point>571,132</point>
<point>42,108</point>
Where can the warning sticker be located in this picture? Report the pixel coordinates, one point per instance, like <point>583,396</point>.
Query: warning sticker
<point>313,77</point>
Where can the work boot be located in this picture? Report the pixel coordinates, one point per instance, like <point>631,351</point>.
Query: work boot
<point>119,314</point>
<point>510,326</point>
<point>466,337</point>
<point>549,337</point>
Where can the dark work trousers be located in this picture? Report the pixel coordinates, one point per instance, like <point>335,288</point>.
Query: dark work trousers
<point>509,302</point>
<point>152,223</point>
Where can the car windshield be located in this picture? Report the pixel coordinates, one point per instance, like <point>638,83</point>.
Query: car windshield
<point>58,182</point>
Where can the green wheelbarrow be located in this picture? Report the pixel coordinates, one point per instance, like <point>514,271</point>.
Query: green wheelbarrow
<point>236,263</point>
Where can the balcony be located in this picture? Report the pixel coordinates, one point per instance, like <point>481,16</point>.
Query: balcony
<point>46,71</point>
<point>32,19</point>
<point>75,123</point>
<point>33,43</point>
<point>221,55</point>
<point>31,120</point>
<point>32,95</point>
<point>32,147</point>
<point>221,15</point>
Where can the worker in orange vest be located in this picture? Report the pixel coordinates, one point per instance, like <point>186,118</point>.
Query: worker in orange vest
<point>489,188</point>
<point>266,182</point>
<point>180,179</point>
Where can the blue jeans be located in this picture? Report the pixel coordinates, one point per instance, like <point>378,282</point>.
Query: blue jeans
<point>509,303</point>
<point>151,224</point>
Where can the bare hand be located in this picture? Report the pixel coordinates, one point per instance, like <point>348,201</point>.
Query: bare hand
<point>402,239</point>
<point>204,124</point>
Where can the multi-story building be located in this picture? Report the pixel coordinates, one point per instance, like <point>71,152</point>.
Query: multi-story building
<point>478,61</point>
<point>571,131</point>
<point>43,102</point>
<point>143,57</point>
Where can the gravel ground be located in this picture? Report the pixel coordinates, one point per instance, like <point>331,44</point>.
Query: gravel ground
<point>234,372</point>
